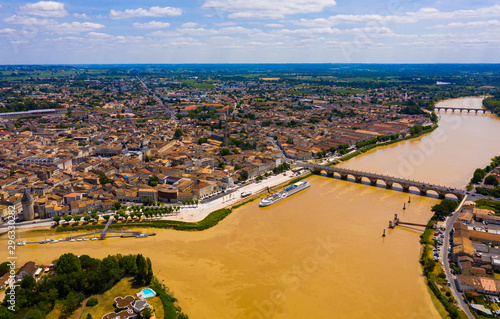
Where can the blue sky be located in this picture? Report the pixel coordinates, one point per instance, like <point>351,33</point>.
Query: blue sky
<point>249,31</point>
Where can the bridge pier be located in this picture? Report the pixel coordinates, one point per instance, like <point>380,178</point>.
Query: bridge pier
<point>329,174</point>
<point>373,181</point>
<point>358,179</point>
<point>316,171</point>
<point>441,195</point>
<point>343,176</point>
<point>423,192</point>
<point>388,185</point>
<point>476,111</point>
<point>406,188</point>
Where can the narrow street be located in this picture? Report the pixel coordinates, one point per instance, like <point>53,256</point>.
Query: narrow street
<point>459,297</point>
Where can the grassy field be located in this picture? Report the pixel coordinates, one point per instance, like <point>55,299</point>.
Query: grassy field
<point>439,307</point>
<point>203,86</point>
<point>123,288</point>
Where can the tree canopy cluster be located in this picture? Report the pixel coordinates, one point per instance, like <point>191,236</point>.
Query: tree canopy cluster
<point>493,104</point>
<point>75,277</point>
<point>444,208</point>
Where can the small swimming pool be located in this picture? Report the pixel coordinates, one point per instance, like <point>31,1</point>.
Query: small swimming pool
<point>148,293</point>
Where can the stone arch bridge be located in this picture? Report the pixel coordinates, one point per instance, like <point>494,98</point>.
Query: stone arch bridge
<point>389,181</point>
<point>461,109</point>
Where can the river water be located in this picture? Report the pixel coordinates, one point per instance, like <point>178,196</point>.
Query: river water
<point>319,253</point>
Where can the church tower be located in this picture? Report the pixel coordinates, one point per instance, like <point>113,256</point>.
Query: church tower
<point>28,203</point>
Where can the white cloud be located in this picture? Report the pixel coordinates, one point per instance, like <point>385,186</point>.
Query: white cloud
<point>43,9</point>
<point>225,24</point>
<point>52,26</point>
<point>74,27</point>
<point>364,18</point>
<point>7,31</point>
<point>151,25</point>
<point>408,17</point>
<point>267,9</point>
<point>15,19</point>
<point>189,25</point>
<point>310,31</point>
<point>197,31</point>
<point>274,25</point>
<point>237,30</point>
<point>471,24</point>
<point>151,12</point>
<point>81,16</point>
<point>164,34</point>
<point>432,13</point>
<point>98,35</point>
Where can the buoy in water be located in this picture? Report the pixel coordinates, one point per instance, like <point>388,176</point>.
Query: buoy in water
<point>404,205</point>
<point>409,199</point>
<point>383,235</point>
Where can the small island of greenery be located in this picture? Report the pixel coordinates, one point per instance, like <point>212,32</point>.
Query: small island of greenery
<point>85,287</point>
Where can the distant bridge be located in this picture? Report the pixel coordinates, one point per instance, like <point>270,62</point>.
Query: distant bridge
<point>461,109</point>
<point>405,184</point>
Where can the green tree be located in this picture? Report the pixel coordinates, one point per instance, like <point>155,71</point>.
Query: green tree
<point>72,301</point>
<point>6,313</point>
<point>103,179</point>
<point>35,313</point>
<point>67,218</point>
<point>77,218</point>
<point>86,218</point>
<point>106,217</point>
<point>67,263</point>
<point>178,133</point>
<point>28,283</point>
<point>4,268</point>
<point>147,201</point>
<point>478,176</point>
<point>141,273</point>
<point>444,208</point>
<point>117,205</point>
<point>225,151</point>
<point>92,302</point>
<point>149,272</point>
<point>491,180</point>
<point>57,219</point>
<point>153,180</point>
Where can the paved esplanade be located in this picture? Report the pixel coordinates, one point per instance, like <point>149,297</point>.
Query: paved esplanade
<point>453,109</point>
<point>405,184</point>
